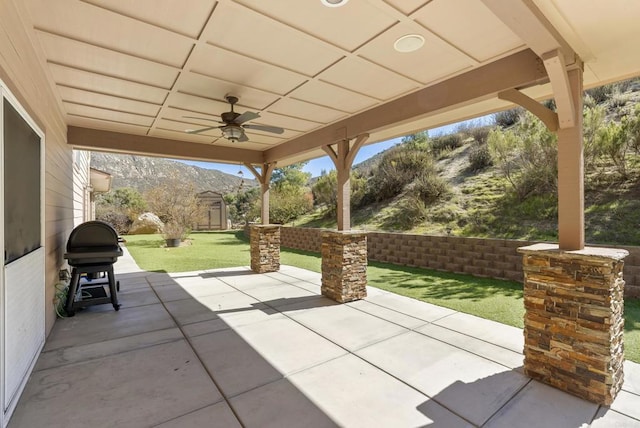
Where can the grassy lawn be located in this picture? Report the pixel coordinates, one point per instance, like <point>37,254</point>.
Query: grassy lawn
<point>487,298</point>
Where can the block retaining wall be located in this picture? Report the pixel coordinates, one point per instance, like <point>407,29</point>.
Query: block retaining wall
<point>493,258</point>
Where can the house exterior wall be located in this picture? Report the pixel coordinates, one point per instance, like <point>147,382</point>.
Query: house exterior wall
<point>81,187</point>
<point>493,258</point>
<point>21,71</point>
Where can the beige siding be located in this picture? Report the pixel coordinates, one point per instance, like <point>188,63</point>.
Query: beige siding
<point>81,196</point>
<point>22,72</point>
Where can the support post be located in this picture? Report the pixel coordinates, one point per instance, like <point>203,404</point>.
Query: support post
<point>571,173</point>
<point>343,160</point>
<point>344,253</point>
<point>264,177</point>
<point>573,322</point>
<point>264,238</point>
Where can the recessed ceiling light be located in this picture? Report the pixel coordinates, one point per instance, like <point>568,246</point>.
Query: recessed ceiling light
<point>409,43</point>
<point>334,3</point>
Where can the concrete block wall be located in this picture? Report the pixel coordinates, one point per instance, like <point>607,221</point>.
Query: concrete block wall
<point>492,258</point>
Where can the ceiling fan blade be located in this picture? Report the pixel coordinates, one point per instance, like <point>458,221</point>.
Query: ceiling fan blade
<point>265,128</point>
<point>243,138</point>
<point>246,116</point>
<point>197,131</point>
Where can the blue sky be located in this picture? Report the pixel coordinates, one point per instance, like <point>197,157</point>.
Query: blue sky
<point>315,166</point>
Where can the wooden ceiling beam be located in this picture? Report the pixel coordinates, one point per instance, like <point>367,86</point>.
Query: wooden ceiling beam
<point>520,70</point>
<point>99,140</point>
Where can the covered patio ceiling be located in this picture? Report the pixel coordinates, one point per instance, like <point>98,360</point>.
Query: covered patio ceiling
<point>127,73</point>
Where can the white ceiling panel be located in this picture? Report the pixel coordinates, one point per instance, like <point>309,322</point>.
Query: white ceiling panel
<point>72,77</point>
<point>232,67</point>
<point>268,40</point>
<point>328,95</point>
<point>123,128</point>
<point>347,27</point>
<point>142,65</point>
<point>366,78</point>
<point>432,61</point>
<point>286,122</point>
<point>94,25</point>
<point>200,105</point>
<point>204,86</point>
<point>82,56</point>
<point>79,96</point>
<point>476,31</point>
<point>188,19</point>
<point>108,115</point>
<point>407,6</point>
<point>304,110</point>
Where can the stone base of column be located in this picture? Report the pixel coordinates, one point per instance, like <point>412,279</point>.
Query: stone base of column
<point>574,319</point>
<point>344,265</point>
<point>265,248</point>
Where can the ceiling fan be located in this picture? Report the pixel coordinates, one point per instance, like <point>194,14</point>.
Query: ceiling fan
<point>233,123</point>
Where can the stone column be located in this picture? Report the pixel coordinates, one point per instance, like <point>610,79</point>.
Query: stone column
<point>574,319</point>
<point>344,265</point>
<point>265,248</point>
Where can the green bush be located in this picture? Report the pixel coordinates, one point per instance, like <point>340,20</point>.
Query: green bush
<point>445,143</point>
<point>398,167</point>
<point>411,212</point>
<point>479,157</point>
<point>429,187</point>
<point>288,202</point>
<point>480,134</point>
<point>120,221</point>
<point>599,94</point>
<point>507,118</point>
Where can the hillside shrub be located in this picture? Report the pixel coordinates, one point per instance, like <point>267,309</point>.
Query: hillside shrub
<point>480,134</point>
<point>600,94</point>
<point>445,143</point>
<point>429,187</point>
<point>527,155</point>
<point>398,167</point>
<point>325,191</point>
<point>507,118</point>
<point>411,212</point>
<point>479,157</point>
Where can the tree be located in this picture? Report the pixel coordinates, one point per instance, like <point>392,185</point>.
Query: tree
<point>176,201</point>
<point>120,207</point>
<point>325,190</point>
<point>290,175</point>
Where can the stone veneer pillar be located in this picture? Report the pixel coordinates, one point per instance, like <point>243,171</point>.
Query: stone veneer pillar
<point>265,248</point>
<point>574,319</point>
<point>344,265</point>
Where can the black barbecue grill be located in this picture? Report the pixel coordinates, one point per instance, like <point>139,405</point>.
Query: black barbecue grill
<point>92,249</point>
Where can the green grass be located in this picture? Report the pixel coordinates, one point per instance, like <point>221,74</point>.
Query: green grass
<point>207,251</point>
<point>492,299</point>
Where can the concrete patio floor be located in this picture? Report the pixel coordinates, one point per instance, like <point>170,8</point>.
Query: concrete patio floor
<point>230,348</point>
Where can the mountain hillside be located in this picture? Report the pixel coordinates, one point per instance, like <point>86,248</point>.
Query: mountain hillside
<point>482,201</point>
<point>143,173</point>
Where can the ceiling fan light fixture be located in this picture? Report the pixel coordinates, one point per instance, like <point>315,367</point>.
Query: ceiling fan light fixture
<point>409,43</point>
<point>232,132</point>
<point>334,3</point>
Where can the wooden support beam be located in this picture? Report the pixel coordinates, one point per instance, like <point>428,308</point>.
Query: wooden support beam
<point>571,174</point>
<point>343,160</point>
<point>557,70</point>
<point>548,117</point>
<point>264,178</point>
<point>115,142</point>
<point>519,70</point>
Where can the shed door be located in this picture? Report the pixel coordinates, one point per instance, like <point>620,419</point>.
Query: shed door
<point>22,290</point>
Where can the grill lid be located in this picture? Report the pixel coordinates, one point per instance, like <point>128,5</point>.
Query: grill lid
<point>93,236</point>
